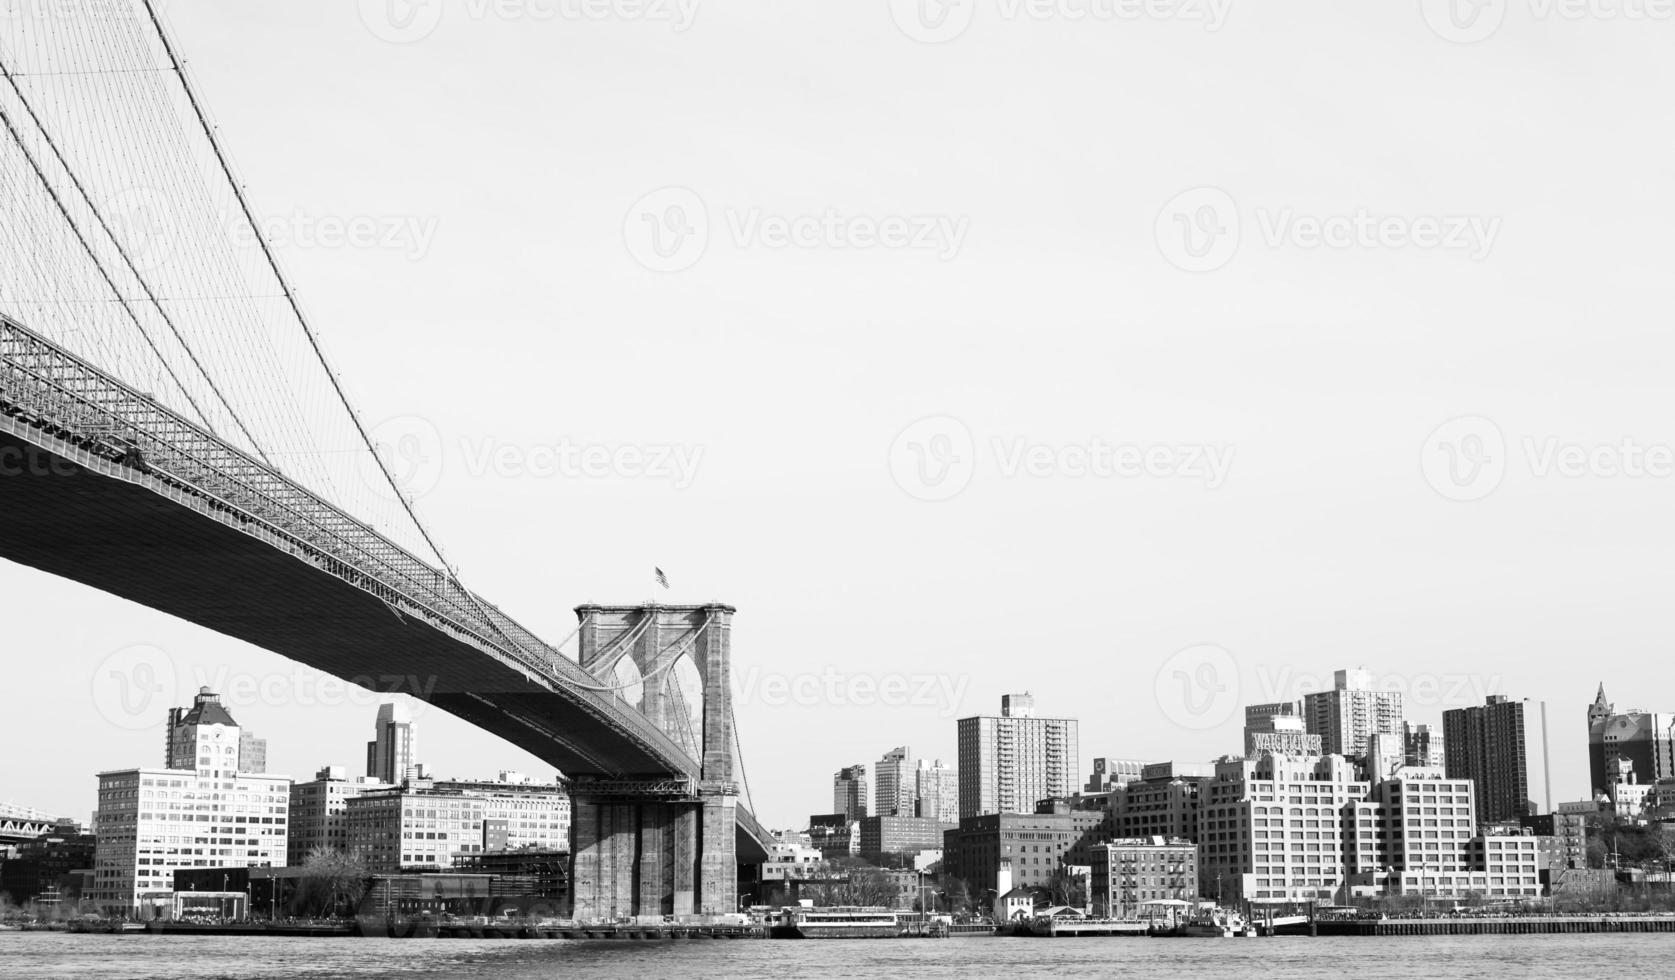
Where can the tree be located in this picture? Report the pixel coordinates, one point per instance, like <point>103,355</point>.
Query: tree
<point>848,881</point>
<point>332,884</point>
<point>1064,888</point>
<point>956,893</point>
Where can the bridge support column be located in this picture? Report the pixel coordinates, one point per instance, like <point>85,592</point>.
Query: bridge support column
<point>652,856</point>
<point>661,845</point>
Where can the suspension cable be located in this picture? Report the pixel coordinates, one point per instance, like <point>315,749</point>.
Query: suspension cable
<point>132,268</point>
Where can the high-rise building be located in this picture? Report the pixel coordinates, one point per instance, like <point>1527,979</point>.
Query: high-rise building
<point>936,792</point>
<point>1353,709</point>
<point>1645,738</point>
<point>395,748</point>
<point>893,784</point>
<point>320,811</point>
<point>1425,747</point>
<point>1501,746</point>
<point>849,792</point>
<point>201,812</point>
<point>1009,763</point>
<point>195,734</point>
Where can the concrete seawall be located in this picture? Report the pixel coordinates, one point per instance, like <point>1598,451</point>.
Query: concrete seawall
<point>1533,925</point>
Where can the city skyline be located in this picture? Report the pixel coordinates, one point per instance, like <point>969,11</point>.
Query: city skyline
<point>1327,385</point>
<point>368,703</point>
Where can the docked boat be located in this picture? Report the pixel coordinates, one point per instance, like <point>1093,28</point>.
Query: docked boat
<point>836,923</point>
<point>1214,922</point>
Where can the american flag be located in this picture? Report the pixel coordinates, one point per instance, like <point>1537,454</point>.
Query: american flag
<point>662,579</point>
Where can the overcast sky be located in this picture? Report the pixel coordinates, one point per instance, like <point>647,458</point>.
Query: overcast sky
<point>1156,361</point>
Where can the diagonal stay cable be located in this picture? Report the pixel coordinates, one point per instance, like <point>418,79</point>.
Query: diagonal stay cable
<point>132,268</point>
<point>307,329</point>
<point>35,165</point>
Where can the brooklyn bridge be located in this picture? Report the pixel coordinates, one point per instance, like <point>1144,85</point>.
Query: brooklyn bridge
<point>171,432</point>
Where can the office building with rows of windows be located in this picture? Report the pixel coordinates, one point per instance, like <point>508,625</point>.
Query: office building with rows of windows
<point>201,810</point>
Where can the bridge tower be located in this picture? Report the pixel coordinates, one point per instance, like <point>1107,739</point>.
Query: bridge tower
<point>656,844</point>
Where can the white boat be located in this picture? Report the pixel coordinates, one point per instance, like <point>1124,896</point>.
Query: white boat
<point>1214,922</point>
<point>836,923</point>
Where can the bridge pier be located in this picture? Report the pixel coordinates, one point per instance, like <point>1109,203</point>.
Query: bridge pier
<point>652,856</point>
<point>650,846</point>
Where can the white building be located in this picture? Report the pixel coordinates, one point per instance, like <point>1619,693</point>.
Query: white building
<point>427,825</point>
<point>791,856</point>
<point>320,811</point>
<point>206,813</point>
<point>1296,828</point>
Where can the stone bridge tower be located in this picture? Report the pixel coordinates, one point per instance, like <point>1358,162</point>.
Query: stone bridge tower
<point>651,844</point>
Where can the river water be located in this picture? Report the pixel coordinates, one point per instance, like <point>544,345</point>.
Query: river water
<point>24,956</point>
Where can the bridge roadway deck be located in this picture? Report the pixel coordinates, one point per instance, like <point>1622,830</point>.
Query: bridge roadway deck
<point>102,485</point>
<point>136,541</point>
<point>94,522</point>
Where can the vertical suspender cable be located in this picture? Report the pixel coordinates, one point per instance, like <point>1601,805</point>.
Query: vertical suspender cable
<point>52,144</point>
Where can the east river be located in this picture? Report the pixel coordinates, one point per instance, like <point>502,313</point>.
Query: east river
<point>24,956</point>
